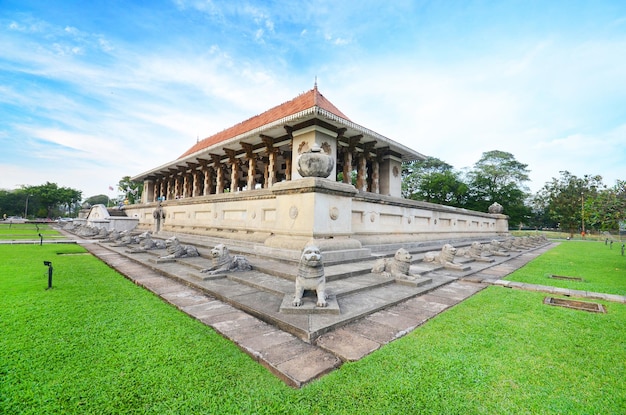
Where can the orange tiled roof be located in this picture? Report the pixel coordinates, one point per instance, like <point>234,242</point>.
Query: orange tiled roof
<point>302,102</point>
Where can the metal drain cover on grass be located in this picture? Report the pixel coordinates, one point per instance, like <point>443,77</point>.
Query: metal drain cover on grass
<point>577,305</point>
<point>562,277</point>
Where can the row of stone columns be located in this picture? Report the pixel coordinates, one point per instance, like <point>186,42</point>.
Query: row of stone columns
<point>210,176</point>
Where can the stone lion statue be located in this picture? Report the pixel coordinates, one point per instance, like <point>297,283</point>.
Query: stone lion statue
<point>87,231</point>
<point>474,251</point>
<point>519,243</point>
<point>126,238</point>
<point>103,233</point>
<point>508,245</point>
<point>444,257</point>
<point>310,276</point>
<point>496,248</point>
<point>146,242</point>
<point>396,267</point>
<point>222,261</point>
<point>176,250</point>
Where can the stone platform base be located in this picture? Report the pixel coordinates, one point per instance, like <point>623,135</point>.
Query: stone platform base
<point>308,305</point>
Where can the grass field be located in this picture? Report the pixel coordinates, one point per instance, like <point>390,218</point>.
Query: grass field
<point>96,343</point>
<point>26,231</point>
<point>602,269</point>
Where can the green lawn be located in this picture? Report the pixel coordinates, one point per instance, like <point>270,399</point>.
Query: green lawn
<point>602,269</point>
<point>26,231</point>
<point>97,343</point>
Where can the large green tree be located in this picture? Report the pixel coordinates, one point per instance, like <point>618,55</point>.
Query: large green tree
<point>563,199</point>
<point>433,180</point>
<point>499,177</point>
<point>53,200</point>
<point>607,210</point>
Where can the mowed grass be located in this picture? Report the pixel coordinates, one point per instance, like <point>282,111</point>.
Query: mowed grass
<point>26,231</point>
<point>602,269</point>
<point>96,343</point>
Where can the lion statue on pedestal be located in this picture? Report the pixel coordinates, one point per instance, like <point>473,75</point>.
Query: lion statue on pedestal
<point>222,261</point>
<point>474,251</point>
<point>176,250</point>
<point>310,276</point>
<point>146,242</point>
<point>496,248</point>
<point>396,267</point>
<point>444,257</point>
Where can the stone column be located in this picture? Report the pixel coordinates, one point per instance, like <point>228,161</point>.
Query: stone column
<point>361,175</point>
<point>186,184</point>
<point>287,155</point>
<point>168,187</point>
<point>347,165</point>
<point>196,184</point>
<point>251,157</point>
<point>148,191</point>
<point>208,180</point>
<point>234,170</point>
<point>375,176</point>
<point>219,172</point>
<point>177,191</point>
<point>270,176</point>
<point>219,187</point>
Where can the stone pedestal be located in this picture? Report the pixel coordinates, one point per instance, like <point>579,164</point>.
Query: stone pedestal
<point>313,211</point>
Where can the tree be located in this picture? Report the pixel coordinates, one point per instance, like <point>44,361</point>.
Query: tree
<point>499,177</point>
<point>607,209</point>
<point>54,200</point>
<point>563,199</point>
<point>97,200</point>
<point>132,190</point>
<point>433,180</point>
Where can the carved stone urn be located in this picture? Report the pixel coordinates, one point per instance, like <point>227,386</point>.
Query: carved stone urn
<point>495,208</point>
<point>315,163</point>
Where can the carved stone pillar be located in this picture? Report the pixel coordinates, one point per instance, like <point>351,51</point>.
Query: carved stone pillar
<point>160,188</point>
<point>375,176</point>
<point>186,184</point>
<point>287,155</point>
<point>347,165</point>
<point>219,187</point>
<point>251,157</point>
<point>219,172</point>
<point>361,175</point>
<point>208,180</point>
<point>270,172</point>
<point>271,169</point>
<point>177,190</point>
<point>234,170</point>
<point>197,189</point>
<point>168,187</point>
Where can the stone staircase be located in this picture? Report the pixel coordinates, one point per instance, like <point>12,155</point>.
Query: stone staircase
<point>266,291</point>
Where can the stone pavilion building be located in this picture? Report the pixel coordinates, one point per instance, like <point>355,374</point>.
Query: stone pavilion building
<point>283,179</point>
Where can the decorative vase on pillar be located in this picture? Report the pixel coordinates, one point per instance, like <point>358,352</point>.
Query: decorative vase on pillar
<point>315,163</point>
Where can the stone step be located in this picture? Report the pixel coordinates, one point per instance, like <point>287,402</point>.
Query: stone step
<point>353,304</point>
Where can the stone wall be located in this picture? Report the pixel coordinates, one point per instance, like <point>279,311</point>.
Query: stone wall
<point>290,214</point>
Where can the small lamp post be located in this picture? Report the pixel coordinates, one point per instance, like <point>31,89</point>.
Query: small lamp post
<point>582,211</point>
<point>26,208</point>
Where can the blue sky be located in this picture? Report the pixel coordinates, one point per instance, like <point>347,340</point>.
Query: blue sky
<point>94,91</point>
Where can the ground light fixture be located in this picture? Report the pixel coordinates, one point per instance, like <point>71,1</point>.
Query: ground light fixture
<point>49,265</point>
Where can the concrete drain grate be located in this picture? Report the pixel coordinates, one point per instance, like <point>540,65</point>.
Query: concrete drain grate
<point>562,277</point>
<point>576,305</point>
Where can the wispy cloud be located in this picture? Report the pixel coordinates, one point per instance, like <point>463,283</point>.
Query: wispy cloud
<point>119,98</point>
